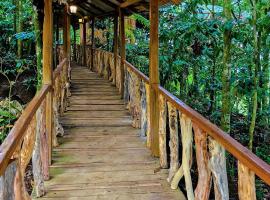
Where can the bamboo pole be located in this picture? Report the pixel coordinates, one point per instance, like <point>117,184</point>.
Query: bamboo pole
<point>154,78</point>
<point>47,68</point>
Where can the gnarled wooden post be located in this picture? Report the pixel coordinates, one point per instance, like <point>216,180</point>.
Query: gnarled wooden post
<point>217,164</point>
<point>38,188</point>
<point>143,111</point>
<point>147,91</point>
<point>154,78</point>
<point>174,141</point>
<point>203,188</point>
<point>162,131</point>
<point>246,183</point>
<point>7,182</point>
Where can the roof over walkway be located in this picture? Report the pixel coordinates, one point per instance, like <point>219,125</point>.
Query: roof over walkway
<point>107,7</point>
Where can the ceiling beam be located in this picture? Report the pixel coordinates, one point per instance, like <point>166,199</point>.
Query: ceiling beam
<point>116,3</point>
<point>129,3</point>
<point>94,6</point>
<point>91,9</point>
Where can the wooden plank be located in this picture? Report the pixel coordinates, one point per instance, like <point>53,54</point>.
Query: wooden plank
<point>97,107</point>
<point>96,122</point>
<point>102,150</point>
<point>96,114</point>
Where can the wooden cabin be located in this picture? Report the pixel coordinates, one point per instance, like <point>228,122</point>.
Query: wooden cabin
<point>101,129</point>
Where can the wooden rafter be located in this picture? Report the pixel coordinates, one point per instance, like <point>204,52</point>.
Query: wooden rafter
<point>129,3</point>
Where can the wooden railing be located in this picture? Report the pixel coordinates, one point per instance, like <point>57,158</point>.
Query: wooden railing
<point>210,142</point>
<point>28,139</point>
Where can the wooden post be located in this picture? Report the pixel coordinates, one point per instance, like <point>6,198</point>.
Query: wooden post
<point>92,42</point>
<point>122,50</point>
<point>57,40</point>
<point>68,36</point>
<point>115,45</point>
<point>154,78</point>
<point>65,34</point>
<point>47,68</point>
<point>84,43</point>
<point>74,45</point>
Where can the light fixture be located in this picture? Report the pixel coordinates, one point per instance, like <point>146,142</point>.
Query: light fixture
<point>80,20</point>
<point>73,9</point>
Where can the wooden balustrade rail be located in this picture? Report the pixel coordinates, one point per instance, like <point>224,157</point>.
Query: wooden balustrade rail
<point>28,137</point>
<point>16,134</point>
<point>210,141</point>
<point>241,153</point>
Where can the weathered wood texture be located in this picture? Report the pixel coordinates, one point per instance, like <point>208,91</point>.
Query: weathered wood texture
<point>28,140</point>
<point>102,158</point>
<point>48,69</point>
<point>217,164</point>
<point>154,77</point>
<point>174,141</point>
<point>246,183</point>
<point>202,129</point>
<point>163,132</point>
<point>202,191</point>
<point>187,139</point>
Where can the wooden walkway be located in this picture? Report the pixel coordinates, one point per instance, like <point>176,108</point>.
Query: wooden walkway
<point>101,156</point>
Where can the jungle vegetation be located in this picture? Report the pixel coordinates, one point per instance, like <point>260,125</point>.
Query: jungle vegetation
<point>214,56</point>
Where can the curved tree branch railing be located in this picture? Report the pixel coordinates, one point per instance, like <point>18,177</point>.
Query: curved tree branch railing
<point>28,139</point>
<point>210,141</point>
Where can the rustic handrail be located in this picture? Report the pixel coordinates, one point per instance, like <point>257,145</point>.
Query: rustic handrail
<point>59,68</point>
<point>8,147</point>
<point>16,134</point>
<point>257,165</point>
<point>241,153</point>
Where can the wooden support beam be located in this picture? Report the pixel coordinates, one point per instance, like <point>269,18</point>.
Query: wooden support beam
<point>47,69</point>
<point>122,50</point>
<point>92,42</point>
<point>83,43</point>
<point>129,3</point>
<point>115,44</point>
<point>154,78</point>
<point>74,43</point>
<point>68,38</point>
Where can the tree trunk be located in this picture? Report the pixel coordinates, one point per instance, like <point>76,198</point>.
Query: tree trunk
<point>19,27</point>
<point>38,47</point>
<point>256,63</point>
<point>226,73</point>
<point>266,82</point>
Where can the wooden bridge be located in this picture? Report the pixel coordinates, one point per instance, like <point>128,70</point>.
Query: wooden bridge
<point>101,155</point>
<point>101,129</point>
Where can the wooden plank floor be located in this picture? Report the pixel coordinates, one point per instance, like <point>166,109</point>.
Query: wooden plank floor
<point>101,156</point>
